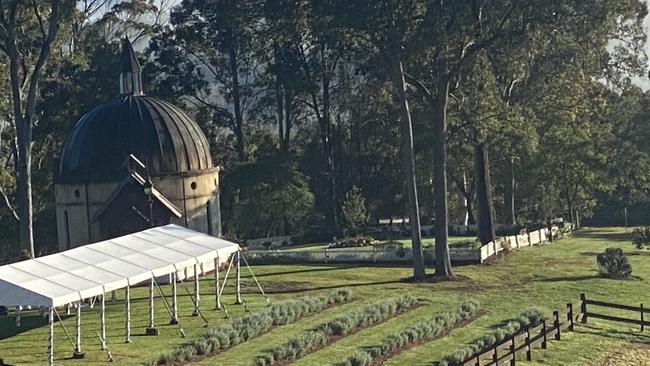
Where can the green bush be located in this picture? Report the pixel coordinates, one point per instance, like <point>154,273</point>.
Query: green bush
<point>301,345</point>
<point>530,317</point>
<point>423,330</point>
<point>252,325</point>
<point>641,237</point>
<point>614,264</point>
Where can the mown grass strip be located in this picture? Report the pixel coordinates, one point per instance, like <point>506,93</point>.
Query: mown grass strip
<point>424,330</point>
<point>252,325</point>
<point>341,326</point>
<point>530,317</point>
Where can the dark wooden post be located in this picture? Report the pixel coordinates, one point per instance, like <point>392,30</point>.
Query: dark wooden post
<point>570,316</point>
<point>513,360</point>
<point>583,308</point>
<point>544,333</point>
<point>495,357</point>
<point>478,360</point>
<point>642,321</point>
<point>529,355</point>
<point>556,325</point>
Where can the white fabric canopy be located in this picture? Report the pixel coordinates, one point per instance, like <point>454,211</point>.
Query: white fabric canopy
<point>95,269</point>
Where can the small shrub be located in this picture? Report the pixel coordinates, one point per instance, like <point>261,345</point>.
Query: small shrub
<point>614,264</point>
<point>304,343</point>
<point>641,237</point>
<point>253,324</point>
<point>423,330</point>
<point>530,317</point>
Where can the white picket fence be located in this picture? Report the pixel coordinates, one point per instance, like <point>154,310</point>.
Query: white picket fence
<point>458,254</point>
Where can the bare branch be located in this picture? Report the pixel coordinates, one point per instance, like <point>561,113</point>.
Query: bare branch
<point>8,204</point>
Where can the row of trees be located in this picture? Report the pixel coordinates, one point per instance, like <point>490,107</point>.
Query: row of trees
<point>482,110</point>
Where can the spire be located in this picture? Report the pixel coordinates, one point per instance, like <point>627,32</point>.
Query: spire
<point>130,71</point>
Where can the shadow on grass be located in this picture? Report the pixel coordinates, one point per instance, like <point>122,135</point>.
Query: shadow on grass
<point>629,336</point>
<point>570,278</point>
<point>28,322</point>
<point>602,235</point>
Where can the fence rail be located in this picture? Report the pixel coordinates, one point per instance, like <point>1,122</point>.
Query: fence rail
<point>539,334</point>
<point>458,254</point>
<point>586,314</point>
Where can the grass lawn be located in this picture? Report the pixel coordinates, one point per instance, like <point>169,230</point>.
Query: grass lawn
<point>547,276</point>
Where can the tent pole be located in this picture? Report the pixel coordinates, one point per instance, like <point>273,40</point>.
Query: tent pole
<point>127,297</point>
<point>50,348</point>
<point>102,320</point>
<point>174,319</point>
<point>78,354</point>
<point>238,301</point>
<point>151,329</point>
<point>196,291</point>
<point>217,293</point>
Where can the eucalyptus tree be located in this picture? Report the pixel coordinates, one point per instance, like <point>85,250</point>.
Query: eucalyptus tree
<point>27,33</point>
<point>386,28</point>
<point>206,55</point>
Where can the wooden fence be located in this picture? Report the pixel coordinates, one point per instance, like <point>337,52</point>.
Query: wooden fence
<point>586,304</point>
<point>507,350</point>
<point>523,342</point>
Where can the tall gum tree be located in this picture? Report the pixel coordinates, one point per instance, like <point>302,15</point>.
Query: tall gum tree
<point>27,33</point>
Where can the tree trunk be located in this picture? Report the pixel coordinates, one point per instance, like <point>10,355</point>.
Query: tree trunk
<point>443,261</point>
<point>509,194</point>
<point>463,217</point>
<point>327,135</point>
<point>236,99</point>
<point>24,185</point>
<point>408,157</point>
<point>279,105</point>
<point>483,194</point>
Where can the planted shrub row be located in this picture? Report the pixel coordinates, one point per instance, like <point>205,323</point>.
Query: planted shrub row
<point>311,340</point>
<point>530,317</point>
<point>253,324</point>
<point>422,331</point>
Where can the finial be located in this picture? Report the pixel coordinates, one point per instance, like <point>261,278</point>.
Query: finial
<point>130,71</point>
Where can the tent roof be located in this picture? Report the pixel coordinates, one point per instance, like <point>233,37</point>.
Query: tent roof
<point>94,269</point>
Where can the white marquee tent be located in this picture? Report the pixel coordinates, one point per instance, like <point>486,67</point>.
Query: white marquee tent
<point>70,277</point>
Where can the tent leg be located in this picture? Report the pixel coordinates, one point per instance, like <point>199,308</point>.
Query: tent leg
<point>102,321</point>
<point>238,301</point>
<point>50,348</point>
<point>196,291</point>
<point>18,315</point>
<point>217,293</point>
<point>174,318</point>
<point>127,296</point>
<point>78,354</point>
<point>151,329</point>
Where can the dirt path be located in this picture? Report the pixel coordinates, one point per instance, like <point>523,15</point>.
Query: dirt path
<point>637,354</point>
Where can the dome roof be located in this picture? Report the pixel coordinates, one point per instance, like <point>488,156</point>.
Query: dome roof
<point>159,134</point>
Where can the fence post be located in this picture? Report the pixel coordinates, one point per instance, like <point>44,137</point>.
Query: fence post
<point>529,355</point>
<point>570,315</point>
<point>513,360</point>
<point>544,333</point>
<point>642,321</point>
<point>556,325</point>
<point>528,234</point>
<point>583,308</point>
<point>495,357</point>
<point>478,360</point>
